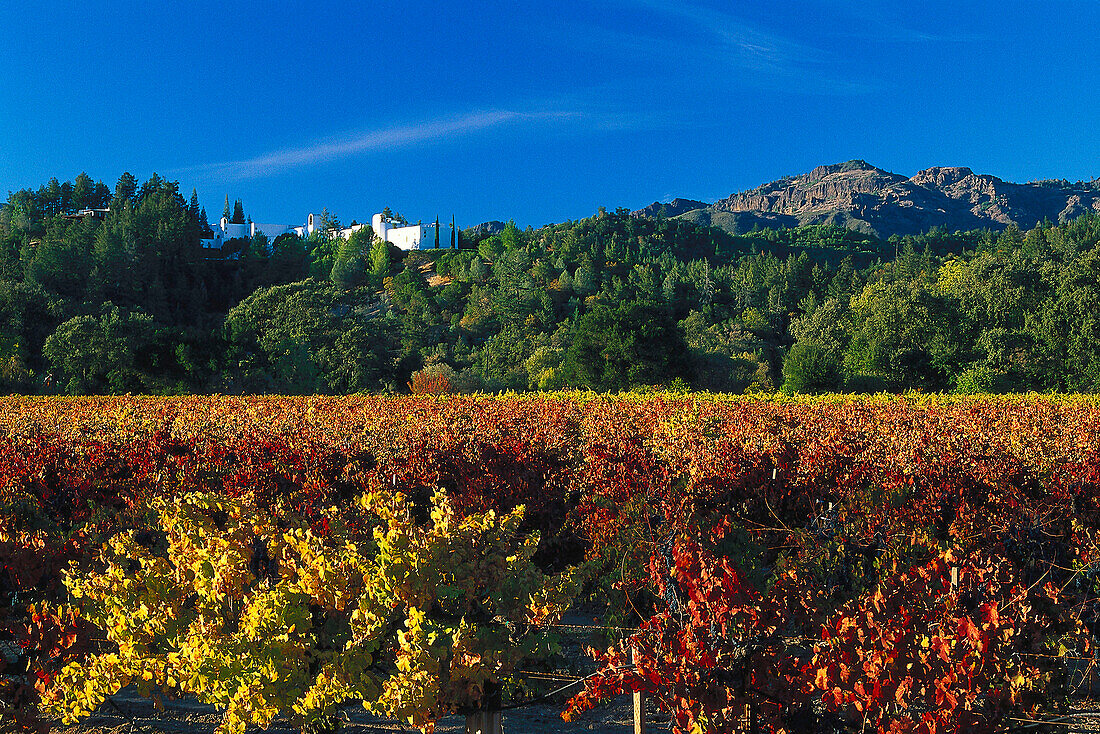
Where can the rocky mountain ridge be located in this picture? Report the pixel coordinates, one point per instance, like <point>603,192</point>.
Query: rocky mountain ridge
<point>485,229</point>
<point>860,196</point>
<point>672,208</point>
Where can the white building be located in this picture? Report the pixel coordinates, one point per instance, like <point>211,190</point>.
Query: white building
<point>399,233</point>
<point>226,230</point>
<point>409,236</point>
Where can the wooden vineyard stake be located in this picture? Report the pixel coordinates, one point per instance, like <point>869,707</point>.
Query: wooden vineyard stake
<point>487,720</point>
<point>639,704</point>
<point>484,722</point>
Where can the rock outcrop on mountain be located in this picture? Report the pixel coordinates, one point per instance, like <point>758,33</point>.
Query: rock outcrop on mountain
<point>860,196</point>
<point>483,230</point>
<point>672,208</point>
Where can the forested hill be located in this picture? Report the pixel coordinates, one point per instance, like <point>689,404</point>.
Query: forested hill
<point>859,196</point>
<point>125,299</point>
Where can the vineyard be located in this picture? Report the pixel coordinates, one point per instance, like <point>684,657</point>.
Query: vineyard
<point>846,564</point>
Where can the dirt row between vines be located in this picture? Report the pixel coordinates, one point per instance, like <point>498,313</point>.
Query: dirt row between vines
<point>136,714</point>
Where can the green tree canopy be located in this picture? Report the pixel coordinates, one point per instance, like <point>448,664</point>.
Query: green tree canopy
<point>811,367</point>
<point>618,347</point>
<point>114,352</point>
<point>307,337</point>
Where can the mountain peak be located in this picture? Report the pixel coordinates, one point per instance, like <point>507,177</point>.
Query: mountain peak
<point>856,164</point>
<point>672,208</point>
<point>859,196</point>
<point>940,176</point>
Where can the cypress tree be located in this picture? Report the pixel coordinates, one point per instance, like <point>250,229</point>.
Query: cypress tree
<point>227,212</point>
<point>437,233</point>
<point>453,230</point>
<point>238,212</point>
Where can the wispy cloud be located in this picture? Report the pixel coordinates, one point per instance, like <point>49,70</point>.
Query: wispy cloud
<point>749,45</point>
<point>887,33</point>
<point>691,34</point>
<point>364,142</point>
<point>880,25</point>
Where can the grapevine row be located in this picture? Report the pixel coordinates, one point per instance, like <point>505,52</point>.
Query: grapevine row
<point>764,548</point>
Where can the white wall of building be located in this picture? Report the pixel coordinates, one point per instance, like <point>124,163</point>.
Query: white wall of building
<point>409,236</point>
<point>271,231</point>
<point>349,231</point>
<point>380,225</point>
<point>401,235</point>
<point>225,230</point>
<point>230,230</point>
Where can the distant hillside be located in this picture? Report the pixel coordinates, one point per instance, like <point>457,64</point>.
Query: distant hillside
<point>483,230</point>
<point>862,197</point>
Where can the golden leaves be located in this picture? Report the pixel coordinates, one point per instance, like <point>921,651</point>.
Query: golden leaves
<point>199,619</point>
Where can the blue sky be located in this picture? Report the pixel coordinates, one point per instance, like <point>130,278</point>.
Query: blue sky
<point>539,112</point>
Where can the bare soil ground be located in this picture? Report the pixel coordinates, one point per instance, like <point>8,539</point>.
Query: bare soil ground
<point>137,715</point>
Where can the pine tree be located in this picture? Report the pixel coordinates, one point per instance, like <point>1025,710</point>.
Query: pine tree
<point>330,223</point>
<point>101,195</point>
<point>349,269</point>
<point>585,280</point>
<point>565,281</point>
<point>126,187</point>
<point>477,269</point>
<point>706,286</point>
<point>379,259</point>
<point>51,196</point>
<point>668,288</point>
<point>154,185</point>
<point>83,188</point>
<point>238,212</point>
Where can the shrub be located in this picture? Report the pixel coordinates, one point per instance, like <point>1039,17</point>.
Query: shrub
<point>811,367</point>
<point>975,380</point>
